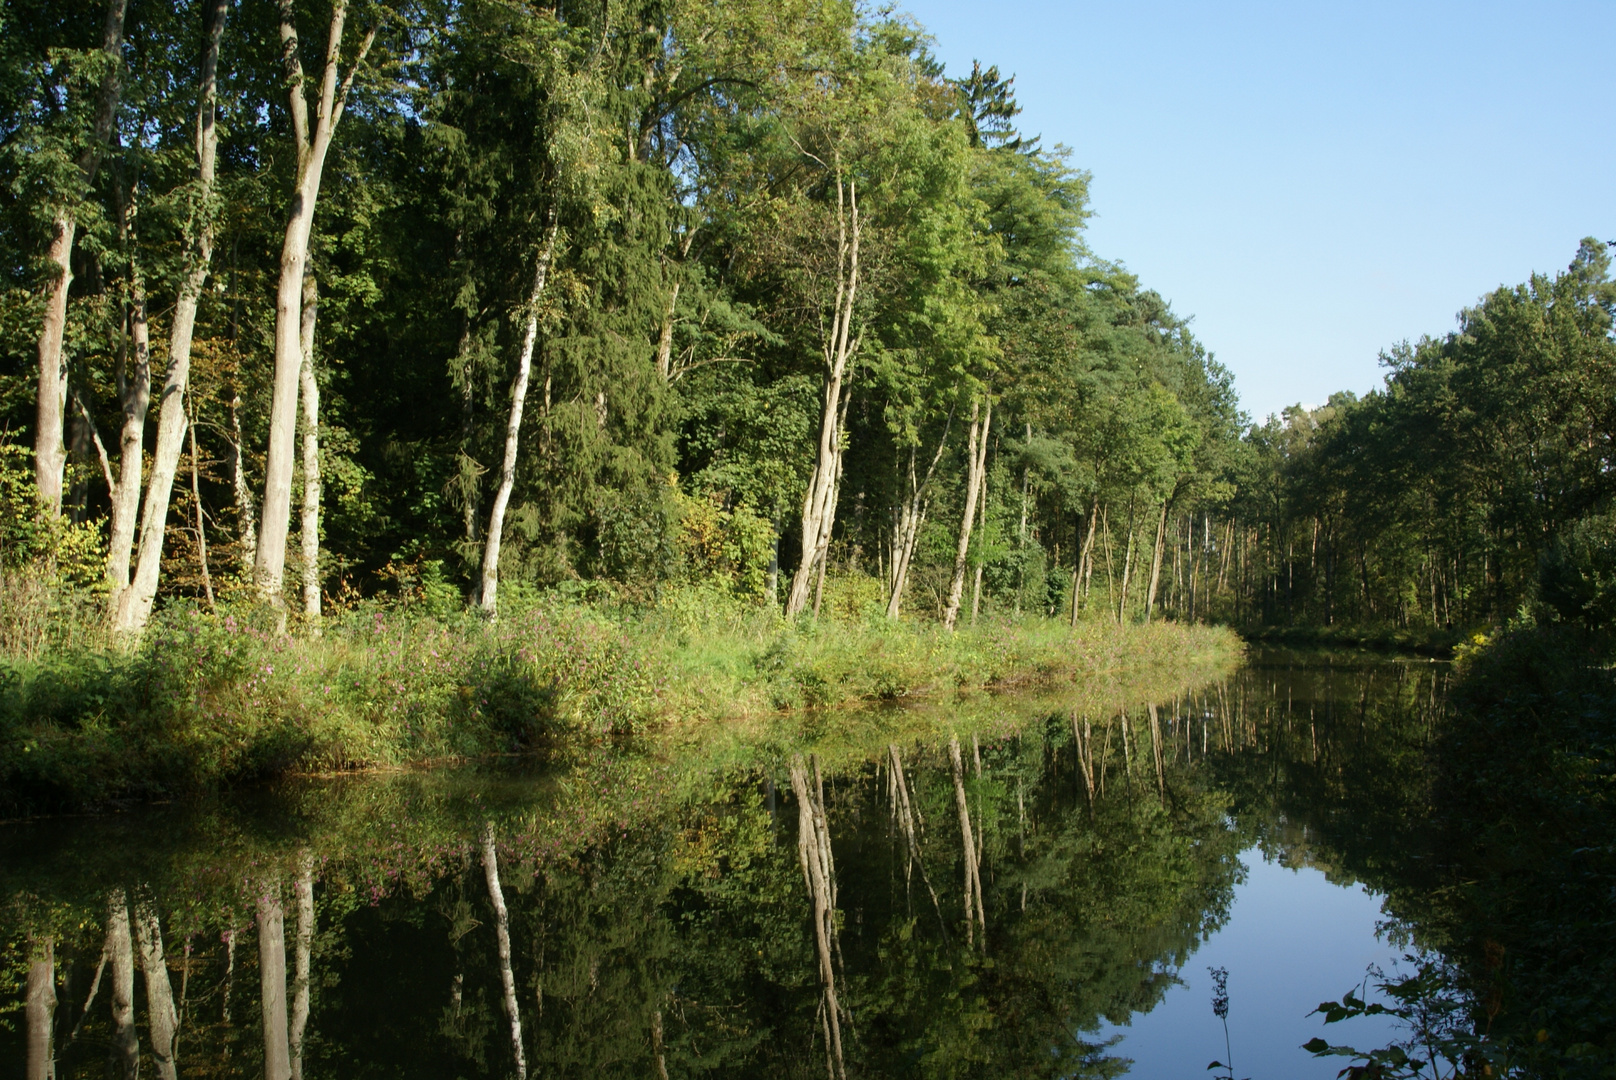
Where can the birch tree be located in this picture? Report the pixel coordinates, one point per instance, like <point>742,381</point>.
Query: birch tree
<point>50,415</point>
<point>132,607</point>
<point>976,464</point>
<point>311,144</point>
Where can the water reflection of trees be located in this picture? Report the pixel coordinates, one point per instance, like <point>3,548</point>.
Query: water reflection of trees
<point>961,906</point>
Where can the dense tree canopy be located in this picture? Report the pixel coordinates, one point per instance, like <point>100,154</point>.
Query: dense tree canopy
<point>612,295</point>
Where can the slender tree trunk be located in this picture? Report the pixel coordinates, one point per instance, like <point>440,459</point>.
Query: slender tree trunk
<point>39,1013</point>
<point>272,981</point>
<point>819,502</point>
<point>981,540</point>
<point>1084,560</point>
<point>246,511</point>
<point>513,427</point>
<point>664,349</point>
<point>311,146</point>
<point>1127,570</point>
<point>163,1020</point>
<point>309,526</point>
<point>134,379</point>
<point>1156,560</point>
<point>976,466</point>
<point>906,525</point>
<point>50,455</point>
<point>502,932</point>
<point>201,524</point>
<point>120,950</point>
<point>171,413</point>
<point>303,890</point>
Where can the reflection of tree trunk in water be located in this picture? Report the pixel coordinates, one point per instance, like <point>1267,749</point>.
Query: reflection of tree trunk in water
<point>909,824</point>
<point>303,890</point>
<point>1127,754</point>
<point>39,1009</point>
<point>976,756</point>
<point>1083,741</point>
<point>502,931</point>
<point>120,950</point>
<point>1156,749</point>
<point>162,1019</point>
<point>973,880</point>
<point>272,981</point>
<point>819,874</point>
<point>95,988</point>
<point>1105,757</point>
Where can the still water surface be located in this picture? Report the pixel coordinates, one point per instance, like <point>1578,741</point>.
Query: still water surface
<point>1003,887</point>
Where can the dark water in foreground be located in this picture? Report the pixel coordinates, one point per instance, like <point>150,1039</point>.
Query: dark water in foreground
<point>1006,888</point>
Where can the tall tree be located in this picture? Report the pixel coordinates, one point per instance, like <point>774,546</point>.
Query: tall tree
<point>311,144</point>
<point>50,453</point>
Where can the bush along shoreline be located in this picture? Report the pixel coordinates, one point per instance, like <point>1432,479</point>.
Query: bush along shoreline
<point>209,701</point>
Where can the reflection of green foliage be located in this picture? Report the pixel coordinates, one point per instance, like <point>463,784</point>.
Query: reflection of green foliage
<point>637,893</point>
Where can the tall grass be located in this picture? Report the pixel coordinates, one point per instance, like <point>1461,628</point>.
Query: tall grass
<point>204,701</point>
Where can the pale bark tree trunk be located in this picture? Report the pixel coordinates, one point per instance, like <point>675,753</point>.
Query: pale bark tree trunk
<point>839,348</point>
<point>1083,740</point>
<point>310,146</point>
<point>976,464</point>
<point>513,427</point>
<point>172,421</point>
<point>657,1049</point>
<point>246,512</point>
<point>1127,570</point>
<point>309,526</point>
<point>981,539</point>
<point>819,875</point>
<point>134,392</point>
<point>39,1013</point>
<point>1156,559</point>
<point>906,523</point>
<point>502,933</point>
<point>50,455</point>
<point>1084,561</point>
<point>120,950</point>
<point>664,349</point>
<point>1021,533</point>
<point>974,913</point>
<point>201,522</point>
<point>303,890</point>
<point>162,1019</point>
<point>272,981</point>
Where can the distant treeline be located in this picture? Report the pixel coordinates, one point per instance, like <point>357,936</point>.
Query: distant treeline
<point>1479,479</point>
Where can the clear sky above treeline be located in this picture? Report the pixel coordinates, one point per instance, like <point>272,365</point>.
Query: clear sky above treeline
<point>1316,182</point>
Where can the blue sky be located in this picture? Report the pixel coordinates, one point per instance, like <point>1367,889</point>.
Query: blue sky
<point>1314,183</point>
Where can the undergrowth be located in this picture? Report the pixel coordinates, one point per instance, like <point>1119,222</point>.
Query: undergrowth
<point>204,701</point>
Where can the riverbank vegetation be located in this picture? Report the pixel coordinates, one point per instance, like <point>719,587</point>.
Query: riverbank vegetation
<point>208,701</point>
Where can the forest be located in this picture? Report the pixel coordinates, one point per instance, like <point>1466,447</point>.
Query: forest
<point>461,295</point>
<point>480,295</point>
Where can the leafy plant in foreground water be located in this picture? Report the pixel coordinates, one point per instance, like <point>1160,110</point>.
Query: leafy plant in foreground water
<point>1220,1009</point>
<point>1441,1018</point>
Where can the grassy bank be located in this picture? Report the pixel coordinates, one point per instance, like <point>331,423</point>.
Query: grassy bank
<point>208,701</point>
